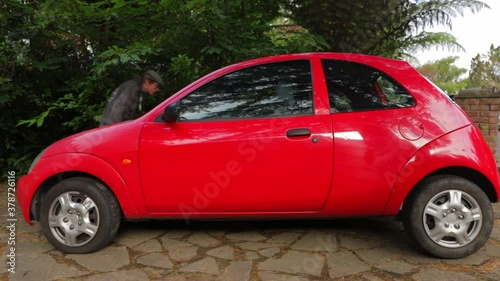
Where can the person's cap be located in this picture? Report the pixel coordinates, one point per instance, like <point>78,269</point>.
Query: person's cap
<point>153,76</point>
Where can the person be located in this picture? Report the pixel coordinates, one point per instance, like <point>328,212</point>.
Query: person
<point>127,98</point>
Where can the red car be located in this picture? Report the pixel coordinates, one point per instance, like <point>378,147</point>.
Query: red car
<point>322,135</point>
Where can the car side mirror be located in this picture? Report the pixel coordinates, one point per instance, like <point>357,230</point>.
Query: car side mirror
<point>171,113</point>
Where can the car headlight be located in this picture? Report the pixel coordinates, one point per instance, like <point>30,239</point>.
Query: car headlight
<point>33,164</point>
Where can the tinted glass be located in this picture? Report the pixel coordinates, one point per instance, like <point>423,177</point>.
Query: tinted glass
<point>277,89</point>
<point>356,87</point>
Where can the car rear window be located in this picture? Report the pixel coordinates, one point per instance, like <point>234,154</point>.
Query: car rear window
<point>357,87</point>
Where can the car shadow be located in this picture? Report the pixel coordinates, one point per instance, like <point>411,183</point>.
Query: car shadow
<point>377,231</point>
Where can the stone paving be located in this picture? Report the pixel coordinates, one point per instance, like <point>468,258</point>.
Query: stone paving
<point>362,249</point>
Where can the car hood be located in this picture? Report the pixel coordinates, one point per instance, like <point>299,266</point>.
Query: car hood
<point>100,141</point>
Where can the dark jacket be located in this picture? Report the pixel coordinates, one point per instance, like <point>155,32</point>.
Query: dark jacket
<point>122,105</point>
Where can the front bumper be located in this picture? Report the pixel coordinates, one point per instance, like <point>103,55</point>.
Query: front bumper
<point>26,188</point>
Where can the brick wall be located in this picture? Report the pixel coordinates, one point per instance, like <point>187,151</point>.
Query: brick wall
<point>483,108</point>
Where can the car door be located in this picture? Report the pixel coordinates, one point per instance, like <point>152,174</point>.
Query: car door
<point>376,132</point>
<point>248,141</point>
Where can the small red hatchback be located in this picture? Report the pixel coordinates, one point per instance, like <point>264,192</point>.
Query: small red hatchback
<point>319,135</point>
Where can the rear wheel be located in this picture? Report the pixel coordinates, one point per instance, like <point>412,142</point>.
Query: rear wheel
<point>79,215</point>
<point>448,216</point>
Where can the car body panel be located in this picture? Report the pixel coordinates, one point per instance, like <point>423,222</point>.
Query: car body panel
<point>75,162</point>
<point>369,159</point>
<point>241,166</point>
<point>356,135</point>
<point>467,149</point>
<point>252,161</point>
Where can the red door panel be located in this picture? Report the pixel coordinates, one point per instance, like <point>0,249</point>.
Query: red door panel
<point>237,166</point>
<point>369,154</point>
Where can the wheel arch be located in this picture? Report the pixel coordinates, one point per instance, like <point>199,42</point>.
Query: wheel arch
<point>53,180</point>
<point>461,153</point>
<point>88,166</point>
<point>406,186</point>
<point>470,174</point>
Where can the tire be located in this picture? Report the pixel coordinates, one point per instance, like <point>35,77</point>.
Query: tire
<point>448,216</point>
<point>79,215</point>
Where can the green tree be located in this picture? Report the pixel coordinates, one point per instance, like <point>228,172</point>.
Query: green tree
<point>485,69</point>
<point>391,28</point>
<point>446,75</point>
<point>16,66</point>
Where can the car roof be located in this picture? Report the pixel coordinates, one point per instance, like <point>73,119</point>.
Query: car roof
<point>370,59</point>
<point>381,63</point>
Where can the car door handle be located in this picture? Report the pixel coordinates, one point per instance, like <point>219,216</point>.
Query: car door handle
<point>298,133</point>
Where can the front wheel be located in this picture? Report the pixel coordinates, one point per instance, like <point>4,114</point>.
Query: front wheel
<point>79,215</point>
<point>448,216</point>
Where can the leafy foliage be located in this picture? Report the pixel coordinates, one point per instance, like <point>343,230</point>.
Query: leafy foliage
<point>385,27</point>
<point>446,75</point>
<point>485,69</point>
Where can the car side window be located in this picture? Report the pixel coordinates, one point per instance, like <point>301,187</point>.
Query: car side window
<point>268,90</point>
<point>357,87</point>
